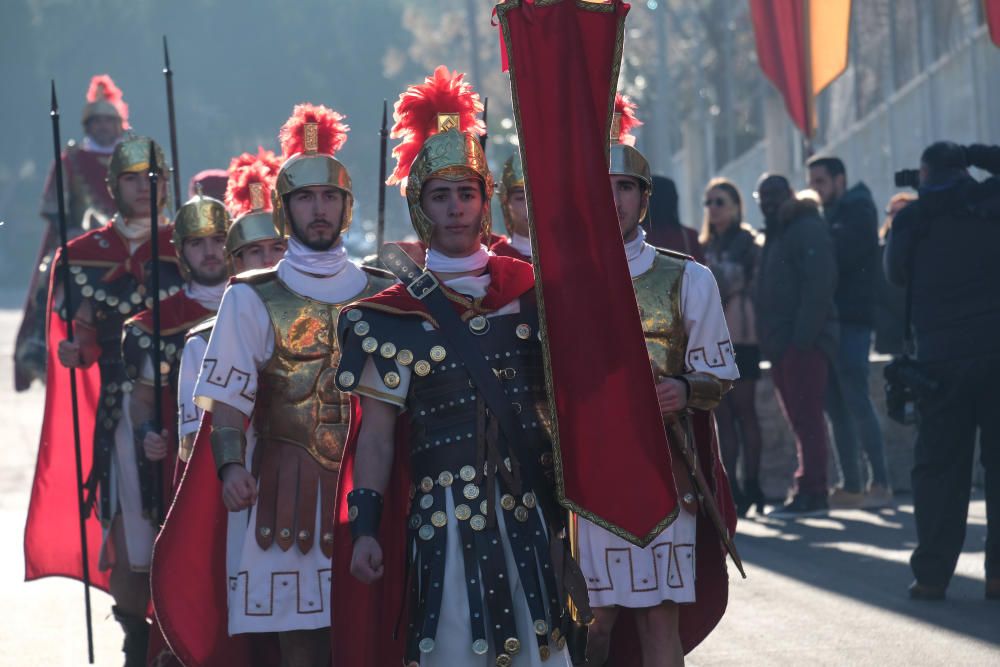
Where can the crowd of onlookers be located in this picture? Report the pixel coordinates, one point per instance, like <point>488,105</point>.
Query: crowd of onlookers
<point>820,286</point>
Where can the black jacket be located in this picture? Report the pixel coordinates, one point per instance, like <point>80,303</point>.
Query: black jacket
<point>953,235</point>
<point>853,221</point>
<point>796,279</point>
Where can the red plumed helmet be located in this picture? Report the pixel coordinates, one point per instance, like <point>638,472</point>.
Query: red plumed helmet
<point>297,136</point>
<point>626,119</point>
<point>251,179</point>
<point>416,115</point>
<point>105,98</point>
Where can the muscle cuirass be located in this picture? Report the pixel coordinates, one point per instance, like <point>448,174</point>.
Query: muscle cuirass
<point>297,400</point>
<point>658,294</point>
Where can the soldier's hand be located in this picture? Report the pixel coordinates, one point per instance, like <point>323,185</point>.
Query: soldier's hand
<point>366,561</point>
<point>155,446</point>
<point>239,488</point>
<point>69,354</point>
<point>671,395</point>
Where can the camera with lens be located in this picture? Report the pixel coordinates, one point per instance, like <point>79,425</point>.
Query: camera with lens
<point>907,178</point>
<point>905,382</point>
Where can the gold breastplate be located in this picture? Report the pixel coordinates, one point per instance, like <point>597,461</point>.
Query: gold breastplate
<point>658,294</point>
<point>297,400</point>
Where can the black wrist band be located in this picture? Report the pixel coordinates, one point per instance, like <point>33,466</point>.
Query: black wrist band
<point>364,511</point>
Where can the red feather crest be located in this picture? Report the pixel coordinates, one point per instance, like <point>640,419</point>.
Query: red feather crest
<point>103,88</point>
<point>626,108</point>
<point>246,170</point>
<point>416,111</point>
<point>331,135</point>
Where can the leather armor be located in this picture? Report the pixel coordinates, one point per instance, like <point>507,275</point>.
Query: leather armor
<point>464,473</point>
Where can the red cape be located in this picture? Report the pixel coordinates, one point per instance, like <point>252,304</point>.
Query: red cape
<point>188,573</point>
<point>363,617</point>
<point>503,248</point>
<point>52,532</point>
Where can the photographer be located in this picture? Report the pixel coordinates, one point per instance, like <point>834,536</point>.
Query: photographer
<point>944,248</point>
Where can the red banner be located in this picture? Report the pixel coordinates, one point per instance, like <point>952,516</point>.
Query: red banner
<point>612,461</point>
<point>992,8</point>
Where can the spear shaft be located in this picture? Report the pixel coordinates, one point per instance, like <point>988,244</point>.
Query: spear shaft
<point>67,304</point>
<point>383,141</point>
<point>168,75</point>
<point>486,133</point>
<point>156,481</point>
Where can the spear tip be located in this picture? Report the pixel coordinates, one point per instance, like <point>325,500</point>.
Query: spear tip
<point>55,103</point>
<point>166,56</point>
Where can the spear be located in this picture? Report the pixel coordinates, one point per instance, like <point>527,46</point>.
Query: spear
<point>486,134</point>
<point>168,74</point>
<point>383,140</point>
<point>156,483</point>
<point>67,304</point>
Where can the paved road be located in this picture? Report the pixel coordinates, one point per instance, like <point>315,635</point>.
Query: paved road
<point>828,591</point>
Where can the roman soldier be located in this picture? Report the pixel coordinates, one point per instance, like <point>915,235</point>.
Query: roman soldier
<point>252,242</point>
<point>89,205</point>
<point>272,356</point>
<point>692,360</point>
<point>515,212</point>
<point>447,366</point>
<point>199,238</point>
<point>111,268</point>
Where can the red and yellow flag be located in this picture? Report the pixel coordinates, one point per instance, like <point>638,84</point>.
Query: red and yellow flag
<point>802,47</point>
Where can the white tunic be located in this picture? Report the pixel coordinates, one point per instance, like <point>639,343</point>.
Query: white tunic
<point>453,643</point>
<point>618,572</point>
<point>272,590</point>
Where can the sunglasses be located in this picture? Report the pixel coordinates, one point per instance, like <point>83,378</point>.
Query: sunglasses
<point>716,201</point>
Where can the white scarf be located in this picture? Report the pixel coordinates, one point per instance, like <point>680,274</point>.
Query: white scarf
<point>522,244</point>
<point>136,231</point>
<point>317,262</point>
<point>90,145</point>
<point>209,296</point>
<point>640,254</point>
<point>441,263</point>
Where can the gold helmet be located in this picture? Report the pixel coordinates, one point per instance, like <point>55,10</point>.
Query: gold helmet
<point>511,177</point>
<point>248,198</point>
<point>309,140</point>
<point>104,98</point>
<point>626,160</point>
<point>440,139</point>
<point>132,156</point>
<point>199,217</point>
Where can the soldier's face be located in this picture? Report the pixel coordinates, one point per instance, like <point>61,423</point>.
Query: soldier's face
<point>206,257</point>
<point>133,194</point>
<point>630,201</point>
<point>104,130</point>
<point>260,255</point>
<point>456,210</point>
<point>316,212</point>
<point>517,207</point>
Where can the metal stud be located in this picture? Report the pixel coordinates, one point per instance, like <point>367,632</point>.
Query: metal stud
<point>512,645</point>
<point>467,473</point>
<point>462,512</point>
<point>426,502</point>
<point>426,645</point>
<point>439,519</point>
<point>388,350</point>
<point>507,502</point>
<point>426,484</point>
<point>391,379</point>
<point>422,368</point>
<point>438,353</point>
<point>480,647</point>
<point>446,479</point>
<point>353,315</point>
<point>369,345</point>
<point>529,500</point>
<point>346,379</point>
<point>471,491</point>
<point>521,514</point>
<point>426,532</point>
<point>405,357</point>
<point>362,328</point>
<point>523,331</point>
<point>478,522</point>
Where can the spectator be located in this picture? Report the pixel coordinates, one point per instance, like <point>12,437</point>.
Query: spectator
<point>797,328</point>
<point>853,221</point>
<point>945,245</point>
<point>890,300</point>
<point>731,252</point>
<point>663,224</point>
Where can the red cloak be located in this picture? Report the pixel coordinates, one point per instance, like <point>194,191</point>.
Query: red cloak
<point>188,573</point>
<point>52,532</point>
